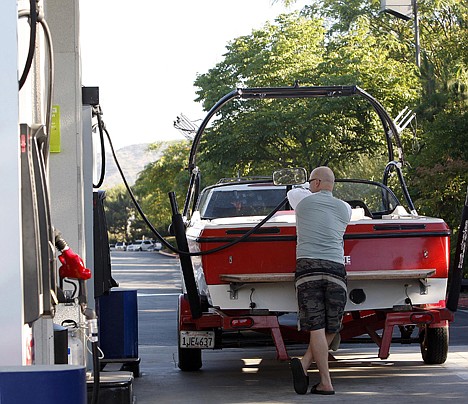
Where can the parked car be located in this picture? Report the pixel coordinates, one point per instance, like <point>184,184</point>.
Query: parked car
<point>157,245</point>
<point>121,245</point>
<point>141,245</point>
<point>131,247</point>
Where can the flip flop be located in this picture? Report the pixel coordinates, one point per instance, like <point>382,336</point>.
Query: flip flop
<point>300,380</point>
<point>314,390</point>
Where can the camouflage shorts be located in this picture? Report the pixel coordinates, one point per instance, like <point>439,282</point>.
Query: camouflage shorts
<point>321,294</point>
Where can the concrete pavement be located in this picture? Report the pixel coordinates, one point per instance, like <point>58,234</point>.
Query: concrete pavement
<point>255,376</point>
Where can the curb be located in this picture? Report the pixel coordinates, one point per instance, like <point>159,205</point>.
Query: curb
<point>166,254</point>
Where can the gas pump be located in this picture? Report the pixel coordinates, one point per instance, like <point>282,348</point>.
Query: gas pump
<point>35,187</point>
<point>73,268</point>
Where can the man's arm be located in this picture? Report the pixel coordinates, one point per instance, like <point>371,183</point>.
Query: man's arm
<point>296,195</point>
<point>350,210</point>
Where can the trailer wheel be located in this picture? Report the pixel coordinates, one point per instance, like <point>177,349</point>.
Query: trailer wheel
<point>189,360</point>
<point>434,345</point>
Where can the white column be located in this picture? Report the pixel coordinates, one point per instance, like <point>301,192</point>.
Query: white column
<point>12,348</point>
<point>66,166</point>
<point>70,193</point>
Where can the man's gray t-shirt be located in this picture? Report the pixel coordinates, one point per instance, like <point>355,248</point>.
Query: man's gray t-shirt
<point>321,221</point>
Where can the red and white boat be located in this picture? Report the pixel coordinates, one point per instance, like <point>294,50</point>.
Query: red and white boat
<point>242,239</point>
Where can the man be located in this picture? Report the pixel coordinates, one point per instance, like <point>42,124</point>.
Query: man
<point>320,278</point>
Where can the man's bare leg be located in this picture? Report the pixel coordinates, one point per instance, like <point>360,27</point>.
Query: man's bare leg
<point>319,341</point>
<point>308,357</point>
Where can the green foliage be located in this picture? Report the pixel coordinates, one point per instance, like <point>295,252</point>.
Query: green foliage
<point>364,167</point>
<point>255,137</point>
<point>446,183</point>
<point>276,55</point>
<point>444,74</point>
<point>441,178</point>
<point>444,138</point>
<point>118,207</point>
<point>158,179</point>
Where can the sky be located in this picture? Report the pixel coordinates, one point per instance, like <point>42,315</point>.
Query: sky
<point>145,55</point>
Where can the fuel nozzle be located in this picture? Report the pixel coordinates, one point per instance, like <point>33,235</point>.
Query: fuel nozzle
<point>72,266</point>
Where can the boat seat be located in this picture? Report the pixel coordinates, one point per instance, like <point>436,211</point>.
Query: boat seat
<point>351,275</point>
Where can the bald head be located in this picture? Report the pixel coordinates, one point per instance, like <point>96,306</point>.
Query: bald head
<point>323,178</point>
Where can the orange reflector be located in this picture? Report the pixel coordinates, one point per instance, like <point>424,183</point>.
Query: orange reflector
<point>418,318</point>
<point>242,322</point>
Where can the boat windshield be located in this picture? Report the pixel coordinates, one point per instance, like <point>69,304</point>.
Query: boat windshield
<point>373,197</point>
<point>260,199</point>
<point>227,201</point>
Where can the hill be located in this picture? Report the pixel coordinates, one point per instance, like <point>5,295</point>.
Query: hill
<point>132,160</point>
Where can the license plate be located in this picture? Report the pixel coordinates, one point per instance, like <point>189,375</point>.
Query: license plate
<point>197,339</point>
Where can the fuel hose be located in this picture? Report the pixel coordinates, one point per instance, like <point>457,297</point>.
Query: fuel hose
<point>159,236</point>
<point>32,42</point>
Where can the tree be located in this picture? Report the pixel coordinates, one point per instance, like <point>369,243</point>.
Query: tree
<point>158,179</point>
<point>258,136</point>
<point>441,190</point>
<point>444,73</point>
<point>118,207</point>
<point>439,178</point>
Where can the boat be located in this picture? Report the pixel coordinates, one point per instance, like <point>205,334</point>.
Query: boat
<point>240,238</point>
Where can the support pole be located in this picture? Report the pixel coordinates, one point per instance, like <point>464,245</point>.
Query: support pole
<point>416,33</point>
<point>185,260</point>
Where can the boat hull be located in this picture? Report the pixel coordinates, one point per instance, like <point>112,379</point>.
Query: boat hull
<point>381,247</point>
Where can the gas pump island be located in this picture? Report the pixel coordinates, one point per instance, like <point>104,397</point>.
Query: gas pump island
<point>55,255</point>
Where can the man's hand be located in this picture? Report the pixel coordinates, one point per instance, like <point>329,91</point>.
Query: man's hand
<point>72,266</point>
